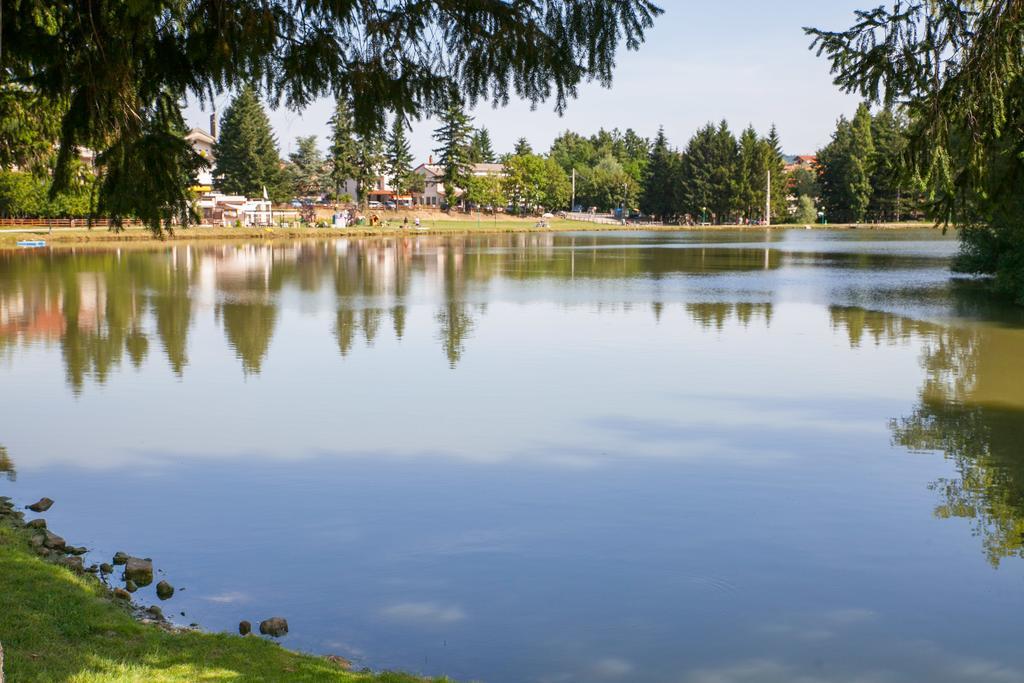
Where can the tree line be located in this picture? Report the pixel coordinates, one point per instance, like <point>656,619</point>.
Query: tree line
<point>717,177</point>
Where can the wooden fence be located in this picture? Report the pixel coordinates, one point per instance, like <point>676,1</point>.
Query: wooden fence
<point>82,223</point>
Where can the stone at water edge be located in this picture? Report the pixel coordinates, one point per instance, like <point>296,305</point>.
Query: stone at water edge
<point>139,570</point>
<point>130,586</point>
<point>42,505</point>
<point>120,557</point>
<point>244,627</point>
<point>274,626</point>
<point>164,590</point>
<point>106,568</point>
<point>76,550</point>
<point>52,540</point>
<point>37,524</point>
<point>122,594</point>
<point>155,612</point>
<point>73,563</point>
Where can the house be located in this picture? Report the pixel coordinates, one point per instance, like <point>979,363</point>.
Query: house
<point>807,161</point>
<point>203,143</point>
<point>433,185</point>
<point>225,210</point>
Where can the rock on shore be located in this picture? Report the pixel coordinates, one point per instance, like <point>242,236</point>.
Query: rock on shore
<point>164,590</point>
<point>274,626</point>
<point>42,505</point>
<point>139,570</point>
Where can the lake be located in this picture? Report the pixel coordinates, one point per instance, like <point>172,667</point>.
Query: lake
<point>700,457</point>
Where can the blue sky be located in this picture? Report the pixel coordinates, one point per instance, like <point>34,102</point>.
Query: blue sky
<point>743,60</point>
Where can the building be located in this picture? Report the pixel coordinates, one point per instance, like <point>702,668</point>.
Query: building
<point>203,142</point>
<point>226,210</point>
<point>433,186</point>
<point>807,161</point>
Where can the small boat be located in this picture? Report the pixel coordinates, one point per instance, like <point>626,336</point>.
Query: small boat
<point>32,244</point>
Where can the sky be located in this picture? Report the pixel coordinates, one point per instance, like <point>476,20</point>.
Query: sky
<point>746,61</point>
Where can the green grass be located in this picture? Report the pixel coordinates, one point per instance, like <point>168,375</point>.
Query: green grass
<point>431,225</point>
<point>56,626</point>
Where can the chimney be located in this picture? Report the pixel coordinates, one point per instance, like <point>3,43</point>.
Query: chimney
<point>430,159</point>
<point>213,123</point>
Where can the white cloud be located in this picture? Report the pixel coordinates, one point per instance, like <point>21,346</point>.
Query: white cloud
<point>423,612</point>
<point>230,598</point>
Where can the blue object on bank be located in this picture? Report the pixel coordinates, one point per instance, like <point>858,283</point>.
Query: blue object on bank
<point>32,243</point>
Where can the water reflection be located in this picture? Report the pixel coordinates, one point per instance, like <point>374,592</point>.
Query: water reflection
<point>625,405</point>
<point>104,306</point>
<point>971,408</point>
<point>7,465</point>
<point>716,315</point>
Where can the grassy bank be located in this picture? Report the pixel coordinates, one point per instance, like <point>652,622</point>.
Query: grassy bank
<point>59,626</point>
<point>430,226</point>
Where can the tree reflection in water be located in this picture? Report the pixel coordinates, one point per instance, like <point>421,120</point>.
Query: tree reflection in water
<point>970,408</point>
<point>7,465</point>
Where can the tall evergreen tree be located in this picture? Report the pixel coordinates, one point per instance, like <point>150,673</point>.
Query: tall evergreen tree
<point>398,157</point>
<point>523,147</point>
<point>708,173</point>
<point>844,169</point>
<point>660,195</point>
<point>344,150</point>
<point>774,162</point>
<point>246,151</point>
<point>895,187</point>
<point>306,169</point>
<point>751,176</point>
<point>369,163</point>
<point>453,138</point>
<point>481,148</point>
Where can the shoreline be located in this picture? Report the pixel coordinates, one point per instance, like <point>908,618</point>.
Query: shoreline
<point>61,619</point>
<point>65,237</point>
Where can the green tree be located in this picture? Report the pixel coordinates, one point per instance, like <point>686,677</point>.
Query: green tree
<point>534,182</point>
<point>344,151</point>
<point>123,67</point>
<point>306,169</point>
<point>844,169</point>
<point>453,138</point>
<point>481,150</point>
<point>29,128</point>
<point>751,176</point>
<point>803,182</point>
<point>660,196</point>
<point>608,186</point>
<point>958,68</point>
<point>486,191</point>
<point>370,161</point>
<point>708,173</point>
<point>573,151</point>
<point>398,158</point>
<point>774,162</point>
<point>806,211</point>
<point>246,151</point>
<point>523,148</point>
<point>26,195</point>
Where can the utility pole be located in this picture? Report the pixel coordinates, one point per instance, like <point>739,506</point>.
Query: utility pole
<point>768,201</point>
<point>572,206</point>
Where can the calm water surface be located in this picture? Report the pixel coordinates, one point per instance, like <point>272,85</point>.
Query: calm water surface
<point>664,458</point>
